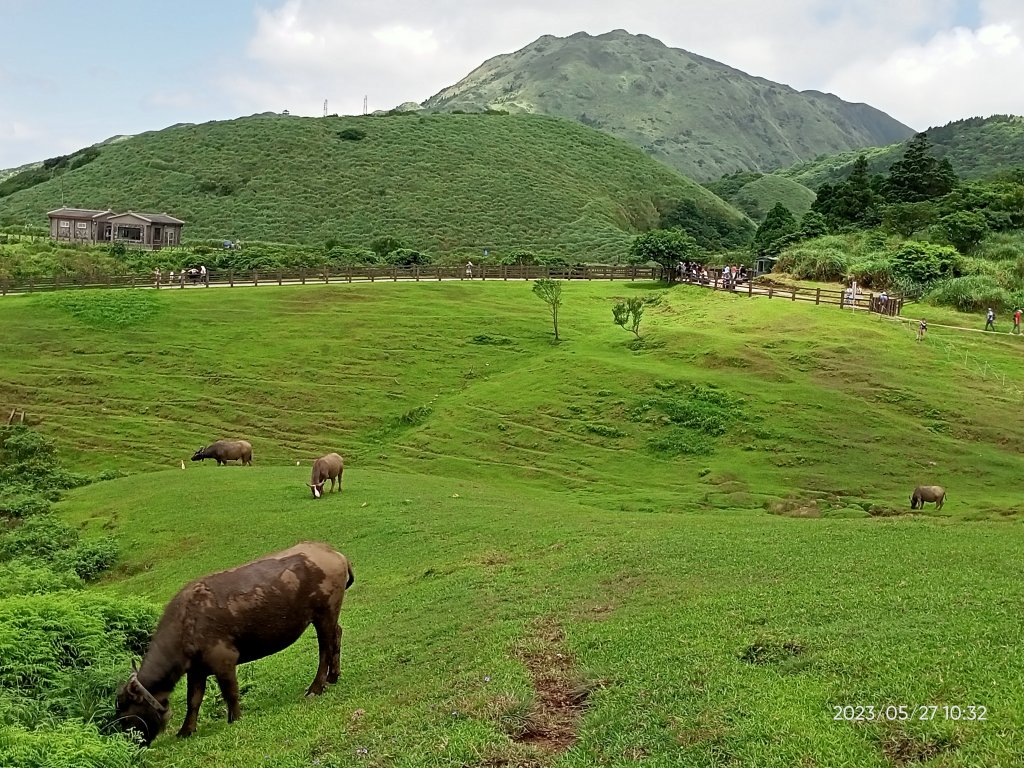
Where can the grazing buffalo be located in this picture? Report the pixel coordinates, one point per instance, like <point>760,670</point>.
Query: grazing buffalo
<point>325,468</point>
<point>925,493</point>
<point>228,618</point>
<point>226,450</point>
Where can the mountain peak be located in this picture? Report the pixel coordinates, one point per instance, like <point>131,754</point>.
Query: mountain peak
<point>698,115</point>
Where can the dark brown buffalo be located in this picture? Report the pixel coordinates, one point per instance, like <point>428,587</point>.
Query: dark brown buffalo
<point>226,450</point>
<point>925,493</point>
<point>228,618</point>
<point>329,467</point>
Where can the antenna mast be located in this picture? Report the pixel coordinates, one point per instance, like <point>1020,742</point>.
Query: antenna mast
<point>325,107</point>
<point>364,104</point>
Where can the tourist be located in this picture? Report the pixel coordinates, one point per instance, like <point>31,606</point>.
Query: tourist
<point>1016,321</point>
<point>469,269</point>
<point>990,320</point>
<point>922,328</point>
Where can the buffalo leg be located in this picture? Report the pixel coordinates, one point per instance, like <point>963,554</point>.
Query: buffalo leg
<point>325,638</point>
<point>335,671</point>
<point>196,689</point>
<point>228,681</point>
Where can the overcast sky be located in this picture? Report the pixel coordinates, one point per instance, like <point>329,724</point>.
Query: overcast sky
<point>73,73</point>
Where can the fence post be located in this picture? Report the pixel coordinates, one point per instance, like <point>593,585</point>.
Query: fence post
<point>716,282</point>
<point>483,271</point>
<point>302,275</point>
<point>817,297</point>
<point>231,278</point>
<point>255,278</point>
<point>370,270</point>
<point>504,272</point>
<point>394,273</point>
<point>416,272</point>
<point>31,285</point>
<point>437,270</point>
<point>750,287</point>
<point>793,297</point>
<point>348,272</point>
<point>771,290</point>
<point>279,276</point>
<point>326,278</point>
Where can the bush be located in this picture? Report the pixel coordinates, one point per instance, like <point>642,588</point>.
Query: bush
<point>65,653</point>
<point>16,504</point>
<point>973,293</point>
<point>66,745</point>
<point>822,259</point>
<point>352,134</point>
<point>875,271</point>
<point>23,577</point>
<point>406,257</point>
<point>925,262</point>
<point>89,559</point>
<point>41,537</point>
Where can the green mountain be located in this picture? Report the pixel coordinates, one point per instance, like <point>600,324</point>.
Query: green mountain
<point>697,115</point>
<point>757,193</point>
<point>976,147</point>
<point>440,183</point>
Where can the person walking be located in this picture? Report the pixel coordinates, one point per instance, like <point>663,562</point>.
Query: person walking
<point>204,276</point>
<point>990,320</point>
<point>469,269</point>
<point>922,329</point>
<point>1016,321</point>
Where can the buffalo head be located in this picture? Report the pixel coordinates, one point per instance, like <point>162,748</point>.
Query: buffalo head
<point>318,490</point>
<point>138,710</point>
<point>199,455</point>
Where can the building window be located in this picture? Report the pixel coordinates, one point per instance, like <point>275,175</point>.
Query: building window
<point>130,233</point>
<point>82,225</point>
<point>170,237</point>
<point>65,224</point>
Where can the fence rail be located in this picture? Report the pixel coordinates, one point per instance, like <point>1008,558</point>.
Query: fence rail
<point>892,305</point>
<point>354,274</point>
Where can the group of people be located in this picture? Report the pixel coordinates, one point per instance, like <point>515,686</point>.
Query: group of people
<point>695,272</point>
<point>194,274</point>
<point>990,320</point>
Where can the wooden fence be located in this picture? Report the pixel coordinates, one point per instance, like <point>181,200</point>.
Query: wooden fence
<point>893,305</point>
<point>882,304</point>
<point>353,274</point>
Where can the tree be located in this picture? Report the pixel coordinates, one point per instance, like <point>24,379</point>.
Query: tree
<point>629,313</point>
<point>812,224</point>
<point>550,292</point>
<point>919,175</point>
<point>965,229</point>
<point>907,218</point>
<point>775,231</point>
<point>854,202</point>
<point>924,262</point>
<point>666,247</point>
<point>384,245</point>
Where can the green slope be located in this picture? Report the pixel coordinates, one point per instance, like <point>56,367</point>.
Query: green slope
<point>695,114</point>
<point>755,194</point>
<point>442,183</point>
<point>498,485</point>
<point>976,147</point>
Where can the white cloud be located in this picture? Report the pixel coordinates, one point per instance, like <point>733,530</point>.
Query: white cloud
<point>956,73</point>
<point>899,56</point>
<point>16,130</point>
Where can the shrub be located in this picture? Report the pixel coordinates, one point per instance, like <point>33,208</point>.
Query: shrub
<point>23,577</point>
<point>973,293</point>
<point>406,257</point>
<point>66,745</point>
<point>89,559</point>
<point>16,504</point>
<point>822,259</point>
<point>875,271</point>
<point>352,134</point>
<point>924,262</point>
<point>64,653</point>
<point>41,537</point>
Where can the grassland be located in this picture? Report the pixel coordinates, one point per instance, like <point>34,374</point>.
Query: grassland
<point>508,499</point>
<point>442,184</point>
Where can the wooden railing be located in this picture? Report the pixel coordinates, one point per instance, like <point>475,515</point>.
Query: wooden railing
<point>353,274</point>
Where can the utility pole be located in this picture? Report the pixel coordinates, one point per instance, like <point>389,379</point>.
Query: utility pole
<point>325,107</point>
<point>364,104</point>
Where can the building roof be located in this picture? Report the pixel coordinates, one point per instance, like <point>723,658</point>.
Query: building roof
<point>76,213</point>
<point>88,213</point>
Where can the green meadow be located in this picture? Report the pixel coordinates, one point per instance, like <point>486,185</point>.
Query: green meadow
<point>701,541</point>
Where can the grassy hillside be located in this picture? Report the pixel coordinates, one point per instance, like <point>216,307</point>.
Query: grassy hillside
<point>697,115</point>
<point>756,193</point>
<point>440,183</point>
<point>508,500</point>
<point>976,147</point>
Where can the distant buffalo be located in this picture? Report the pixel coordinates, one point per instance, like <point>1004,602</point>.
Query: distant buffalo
<point>232,617</point>
<point>925,493</point>
<point>226,450</point>
<point>325,468</point>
